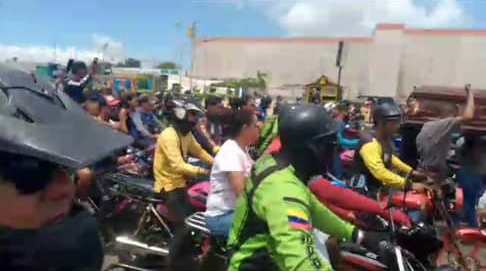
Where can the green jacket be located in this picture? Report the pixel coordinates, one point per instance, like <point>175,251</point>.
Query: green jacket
<point>279,222</point>
<point>267,134</point>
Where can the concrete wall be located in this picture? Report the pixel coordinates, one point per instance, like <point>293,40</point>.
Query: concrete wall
<point>389,63</point>
<point>450,59</point>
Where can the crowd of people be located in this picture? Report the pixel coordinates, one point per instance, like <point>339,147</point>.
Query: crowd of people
<point>259,168</point>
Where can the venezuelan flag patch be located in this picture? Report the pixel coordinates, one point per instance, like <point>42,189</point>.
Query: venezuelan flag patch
<point>298,220</point>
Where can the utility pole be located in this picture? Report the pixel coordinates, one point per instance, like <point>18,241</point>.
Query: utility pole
<point>339,65</point>
<point>192,34</point>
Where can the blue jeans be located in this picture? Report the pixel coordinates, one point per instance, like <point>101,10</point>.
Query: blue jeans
<point>472,185</point>
<point>220,225</point>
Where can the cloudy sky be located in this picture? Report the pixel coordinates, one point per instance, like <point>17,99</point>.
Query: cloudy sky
<point>155,30</point>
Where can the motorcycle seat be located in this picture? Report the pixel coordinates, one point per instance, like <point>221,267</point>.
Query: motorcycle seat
<point>132,180</point>
<point>136,187</point>
<point>197,221</point>
<point>353,248</point>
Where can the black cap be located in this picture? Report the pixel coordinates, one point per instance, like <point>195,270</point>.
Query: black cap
<point>38,122</point>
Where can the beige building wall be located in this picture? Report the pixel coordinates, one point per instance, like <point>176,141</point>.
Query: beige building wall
<point>389,63</point>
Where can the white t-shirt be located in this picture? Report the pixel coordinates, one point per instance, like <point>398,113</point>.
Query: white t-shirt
<point>230,158</point>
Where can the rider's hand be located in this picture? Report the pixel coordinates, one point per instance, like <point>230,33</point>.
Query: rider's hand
<point>125,159</point>
<point>418,175</point>
<point>420,187</point>
<point>204,172</point>
<point>371,239</point>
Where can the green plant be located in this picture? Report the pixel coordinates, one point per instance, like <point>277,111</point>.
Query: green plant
<point>260,82</point>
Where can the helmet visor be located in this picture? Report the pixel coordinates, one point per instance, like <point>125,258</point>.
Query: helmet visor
<point>324,148</point>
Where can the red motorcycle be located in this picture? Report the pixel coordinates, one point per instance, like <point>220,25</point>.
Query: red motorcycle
<point>416,242</point>
<point>462,246</point>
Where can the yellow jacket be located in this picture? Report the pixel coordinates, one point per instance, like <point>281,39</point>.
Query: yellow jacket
<point>372,155</point>
<point>170,167</point>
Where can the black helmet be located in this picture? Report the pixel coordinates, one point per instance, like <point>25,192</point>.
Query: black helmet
<point>308,135</point>
<point>303,123</point>
<point>284,108</point>
<point>386,111</point>
<point>38,122</point>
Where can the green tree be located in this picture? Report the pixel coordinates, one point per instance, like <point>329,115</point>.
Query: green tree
<point>167,66</point>
<point>130,63</point>
<point>260,82</point>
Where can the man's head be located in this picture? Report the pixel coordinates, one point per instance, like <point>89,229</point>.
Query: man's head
<point>95,105</point>
<point>145,104</point>
<point>308,136</point>
<point>40,192</point>
<point>185,116</point>
<point>387,117</point>
<point>129,101</point>
<point>79,70</point>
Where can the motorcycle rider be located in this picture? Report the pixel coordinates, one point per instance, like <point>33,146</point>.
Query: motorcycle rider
<point>45,137</point>
<point>171,167</point>
<point>276,214</point>
<point>375,159</point>
<point>434,140</point>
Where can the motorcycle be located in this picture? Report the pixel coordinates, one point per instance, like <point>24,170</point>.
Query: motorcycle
<point>407,249</point>
<point>397,254</point>
<point>136,223</point>
<point>375,216</point>
<point>439,206</point>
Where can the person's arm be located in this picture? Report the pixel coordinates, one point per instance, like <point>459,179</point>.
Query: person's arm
<point>326,221</point>
<point>197,151</point>
<point>204,132</point>
<point>372,159</point>
<point>159,123</point>
<point>137,121</point>
<point>237,180</point>
<point>169,145</point>
<point>123,116</point>
<point>468,113</point>
<point>286,210</point>
<point>344,200</point>
<point>401,166</point>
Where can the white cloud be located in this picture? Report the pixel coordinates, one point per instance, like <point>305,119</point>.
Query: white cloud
<point>351,17</point>
<point>102,46</point>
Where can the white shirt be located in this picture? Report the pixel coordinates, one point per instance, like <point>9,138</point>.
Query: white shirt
<point>482,202</point>
<point>230,158</point>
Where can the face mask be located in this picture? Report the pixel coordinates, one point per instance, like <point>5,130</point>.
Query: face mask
<point>73,244</point>
<point>185,127</point>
